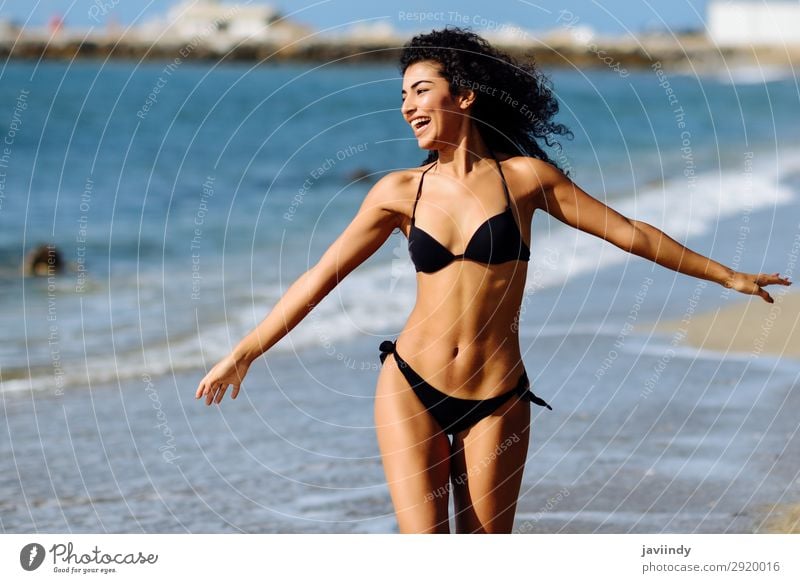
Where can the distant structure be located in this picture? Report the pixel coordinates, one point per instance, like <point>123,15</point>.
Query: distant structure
<point>56,23</point>
<point>219,24</point>
<point>377,32</point>
<point>757,33</point>
<point>737,22</point>
<point>510,34</point>
<point>8,30</point>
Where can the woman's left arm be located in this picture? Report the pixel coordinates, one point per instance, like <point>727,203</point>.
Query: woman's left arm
<point>563,199</point>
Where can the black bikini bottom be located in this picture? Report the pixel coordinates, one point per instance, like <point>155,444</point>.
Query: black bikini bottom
<point>451,413</point>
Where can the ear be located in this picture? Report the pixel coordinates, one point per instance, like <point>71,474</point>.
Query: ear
<point>466,97</point>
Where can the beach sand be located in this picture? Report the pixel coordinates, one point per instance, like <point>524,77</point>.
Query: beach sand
<point>748,325</point>
<point>752,326</point>
<point>781,519</point>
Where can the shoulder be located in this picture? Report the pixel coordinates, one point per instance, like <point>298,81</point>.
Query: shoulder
<point>530,178</point>
<point>532,171</point>
<point>396,179</point>
<point>395,192</point>
<point>395,187</point>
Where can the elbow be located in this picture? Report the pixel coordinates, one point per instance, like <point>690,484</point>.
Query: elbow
<point>647,241</point>
<point>638,241</point>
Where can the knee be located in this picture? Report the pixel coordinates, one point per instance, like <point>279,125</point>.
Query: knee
<point>411,524</point>
<point>473,525</point>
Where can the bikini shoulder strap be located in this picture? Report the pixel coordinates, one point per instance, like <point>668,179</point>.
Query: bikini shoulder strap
<point>502,176</point>
<point>419,191</point>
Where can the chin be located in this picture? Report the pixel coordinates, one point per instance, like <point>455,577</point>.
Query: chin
<point>428,144</point>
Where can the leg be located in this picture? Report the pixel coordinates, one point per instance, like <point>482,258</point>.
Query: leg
<point>415,454</point>
<point>487,464</point>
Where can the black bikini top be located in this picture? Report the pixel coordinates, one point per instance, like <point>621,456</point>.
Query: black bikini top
<point>497,240</point>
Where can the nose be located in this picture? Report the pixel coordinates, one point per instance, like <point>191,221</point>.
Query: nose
<point>407,108</point>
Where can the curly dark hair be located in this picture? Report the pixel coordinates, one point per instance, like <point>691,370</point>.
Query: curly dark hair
<point>514,104</point>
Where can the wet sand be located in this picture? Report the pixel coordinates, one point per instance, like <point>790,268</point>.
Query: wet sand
<point>753,327</point>
<point>746,325</point>
<point>712,448</point>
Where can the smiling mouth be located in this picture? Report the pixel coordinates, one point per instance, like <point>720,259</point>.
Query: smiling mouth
<point>420,125</point>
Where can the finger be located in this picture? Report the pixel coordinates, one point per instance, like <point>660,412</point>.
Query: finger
<point>766,296</point>
<point>204,388</point>
<point>211,393</point>
<point>235,392</point>
<point>776,278</point>
<point>221,394</point>
<point>200,390</point>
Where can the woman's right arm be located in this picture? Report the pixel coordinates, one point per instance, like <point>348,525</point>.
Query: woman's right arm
<point>379,214</point>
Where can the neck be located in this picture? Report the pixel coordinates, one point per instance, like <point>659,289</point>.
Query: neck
<point>460,158</point>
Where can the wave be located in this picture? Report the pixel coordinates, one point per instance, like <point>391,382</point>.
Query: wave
<point>754,75</point>
<point>377,298</point>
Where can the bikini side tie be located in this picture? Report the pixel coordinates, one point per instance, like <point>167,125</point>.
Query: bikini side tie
<point>386,347</point>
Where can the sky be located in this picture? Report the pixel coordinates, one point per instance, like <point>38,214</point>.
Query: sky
<point>604,16</point>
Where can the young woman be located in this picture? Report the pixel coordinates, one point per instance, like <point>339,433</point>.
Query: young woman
<point>456,368</point>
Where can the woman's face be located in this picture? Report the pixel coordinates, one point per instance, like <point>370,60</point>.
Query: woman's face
<point>435,116</point>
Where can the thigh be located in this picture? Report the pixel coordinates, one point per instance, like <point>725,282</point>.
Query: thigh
<point>415,454</point>
<point>487,463</point>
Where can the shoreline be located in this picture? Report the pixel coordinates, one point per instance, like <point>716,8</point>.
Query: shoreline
<point>743,326</point>
<point>749,326</point>
<point>691,52</point>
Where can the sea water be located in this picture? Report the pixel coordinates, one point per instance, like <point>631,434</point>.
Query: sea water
<point>187,198</point>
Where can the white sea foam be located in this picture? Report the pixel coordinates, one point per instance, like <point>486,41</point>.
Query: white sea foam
<point>753,75</point>
<point>378,296</point>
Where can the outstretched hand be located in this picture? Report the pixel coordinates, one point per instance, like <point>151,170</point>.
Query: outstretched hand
<point>753,283</point>
<point>227,371</point>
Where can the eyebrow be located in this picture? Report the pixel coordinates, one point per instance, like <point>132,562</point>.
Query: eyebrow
<point>403,92</point>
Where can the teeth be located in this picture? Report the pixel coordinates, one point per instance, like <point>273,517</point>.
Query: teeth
<point>417,122</point>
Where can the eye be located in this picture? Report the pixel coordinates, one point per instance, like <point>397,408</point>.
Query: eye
<point>421,91</point>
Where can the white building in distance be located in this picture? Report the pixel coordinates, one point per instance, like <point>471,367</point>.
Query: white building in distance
<point>221,24</point>
<point>765,22</point>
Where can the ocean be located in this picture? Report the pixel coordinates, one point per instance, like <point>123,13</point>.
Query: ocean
<point>186,198</point>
